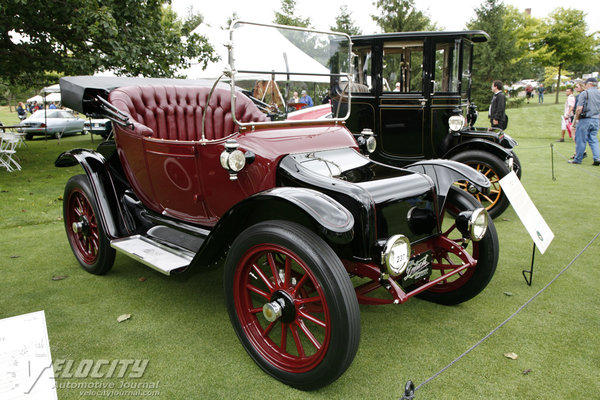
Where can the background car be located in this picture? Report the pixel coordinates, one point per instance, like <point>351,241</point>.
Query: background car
<point>53,123</point>
<point>413,91</point>
<point>98,126</point>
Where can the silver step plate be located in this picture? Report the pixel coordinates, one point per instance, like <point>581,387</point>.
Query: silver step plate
<point>155,255</point>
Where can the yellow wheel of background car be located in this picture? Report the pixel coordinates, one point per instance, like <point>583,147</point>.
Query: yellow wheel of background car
<point>495,202</point>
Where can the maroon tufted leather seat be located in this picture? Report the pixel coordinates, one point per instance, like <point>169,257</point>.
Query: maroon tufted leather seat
<point>175,112</point>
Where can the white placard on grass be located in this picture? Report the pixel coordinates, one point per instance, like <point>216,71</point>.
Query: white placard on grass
<point>527,212</point>
<point>25,363</point>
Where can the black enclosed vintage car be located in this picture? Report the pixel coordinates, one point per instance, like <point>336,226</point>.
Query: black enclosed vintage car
<point>309,226</point>
<point>412,90</point>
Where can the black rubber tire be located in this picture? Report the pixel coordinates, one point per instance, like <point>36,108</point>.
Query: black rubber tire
<point>488,249</point>
<point>496,169</point>
<point>28,136</point>
<point>101,260</point>
<point>339,295</point>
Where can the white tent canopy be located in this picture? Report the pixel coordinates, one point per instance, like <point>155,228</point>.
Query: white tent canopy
<point>53,98</point>
<point>257,52</point>
<point>37,98</point>
<point>50,89</point>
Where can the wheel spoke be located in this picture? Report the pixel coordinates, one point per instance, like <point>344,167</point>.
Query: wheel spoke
<point>486,197</point>
<point>256,290</point>
<point>288,272</point>
<point>308,300</point>
<point>447,233</point>
<point>284,329</point>
<point>268,329</point>
<point>296,337</point>
<point>271,262</point>
<point>263,277</point>
<point>300,283</point>
<point>308,334</point>
<point>312,318</point>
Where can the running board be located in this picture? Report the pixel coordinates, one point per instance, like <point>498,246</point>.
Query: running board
<point>162,258</point>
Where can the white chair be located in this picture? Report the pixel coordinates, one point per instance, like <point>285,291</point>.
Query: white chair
<point>8,152</point>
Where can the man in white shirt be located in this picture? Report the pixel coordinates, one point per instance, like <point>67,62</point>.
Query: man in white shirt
<point>567,115</point>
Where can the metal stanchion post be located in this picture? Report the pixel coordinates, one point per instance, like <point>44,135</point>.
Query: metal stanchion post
<point>552,159</point>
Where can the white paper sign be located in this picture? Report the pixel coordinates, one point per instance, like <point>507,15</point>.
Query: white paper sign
<point>25,363</point>
<point>527,212</point>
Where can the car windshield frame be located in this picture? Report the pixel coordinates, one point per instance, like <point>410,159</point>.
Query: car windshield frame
<point>341,80</point>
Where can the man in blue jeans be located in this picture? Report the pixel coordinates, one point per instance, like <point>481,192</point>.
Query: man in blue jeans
<point>586,119</point>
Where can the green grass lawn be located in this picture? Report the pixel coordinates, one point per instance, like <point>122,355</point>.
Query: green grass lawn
<point>182,327</point>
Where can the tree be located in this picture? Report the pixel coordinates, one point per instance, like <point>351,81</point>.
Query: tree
<point>233,17</point>
<point>565,40</point>
<point>344,22</point>
<point>401,16</point>
<point>289,15</point>
<point>494,59</point>
<point>80,37</point>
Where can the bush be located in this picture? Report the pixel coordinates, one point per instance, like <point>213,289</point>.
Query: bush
<point>515,102</point>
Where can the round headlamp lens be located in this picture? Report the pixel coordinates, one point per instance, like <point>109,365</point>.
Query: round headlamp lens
<point>456,122</point>
<point>236,160</point>
<point>478,224</point>
<point>396,254</point>
<point>371,144</point>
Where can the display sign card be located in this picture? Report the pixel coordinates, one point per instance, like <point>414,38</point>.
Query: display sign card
<point>25,363</point>
<point>527,212</point>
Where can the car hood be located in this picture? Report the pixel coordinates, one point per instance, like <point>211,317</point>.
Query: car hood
<point>379,197</point>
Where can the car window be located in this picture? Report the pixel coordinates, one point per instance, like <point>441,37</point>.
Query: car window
<point>362,70</point>
<point>66,114</point>
<point>466,66</point>
<point>38,114</point>
<point>446,67</point>
<point>403,67</point>
<point>53,114</point>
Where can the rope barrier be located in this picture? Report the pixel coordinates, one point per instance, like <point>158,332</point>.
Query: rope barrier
<point>567,158</point>
<point>409,392</point>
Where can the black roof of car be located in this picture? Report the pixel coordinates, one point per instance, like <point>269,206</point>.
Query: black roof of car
<point>475,36</point>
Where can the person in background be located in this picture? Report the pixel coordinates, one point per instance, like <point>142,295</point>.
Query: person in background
<point>541,89</point>
<point>306,99</point>
<point>567,115</point>
<point>529,92</point>
<point>579,87</point>
<point>397,88</point>
<point>586,121</point>
<point>52,106</point>
<point>497,113</point>
<point>21,111</point>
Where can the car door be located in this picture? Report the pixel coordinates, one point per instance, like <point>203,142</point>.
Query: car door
<point>403,100</point>
<point>444,92</point>
<point>67,120</point>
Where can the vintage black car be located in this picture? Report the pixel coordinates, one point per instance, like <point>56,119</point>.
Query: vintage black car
<point>412,90</point>
<point>308,225</point>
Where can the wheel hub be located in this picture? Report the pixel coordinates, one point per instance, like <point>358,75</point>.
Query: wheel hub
<point>281,306</point>
<point>81,226</point>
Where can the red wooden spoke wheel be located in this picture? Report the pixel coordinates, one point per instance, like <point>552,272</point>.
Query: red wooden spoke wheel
<point>450,254</point>
<point>292,304</point>
<point>297,340</point>
<point>84,230</point>
<point>83,235</point>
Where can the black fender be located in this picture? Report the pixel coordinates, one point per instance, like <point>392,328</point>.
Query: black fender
<point>445,173</point>
<point>484,145</point>
<point>313,209</point>
<point>95,167</point>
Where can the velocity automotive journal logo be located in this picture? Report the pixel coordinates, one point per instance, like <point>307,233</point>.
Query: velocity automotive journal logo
<point>99,377</point>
